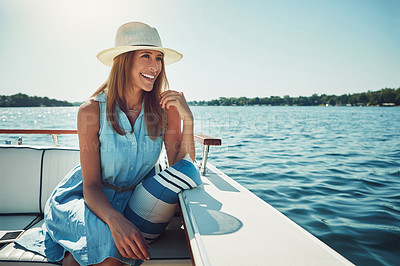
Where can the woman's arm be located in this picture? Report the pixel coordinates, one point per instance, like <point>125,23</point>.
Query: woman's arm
<point>178,143</point>
<point>127,237</point>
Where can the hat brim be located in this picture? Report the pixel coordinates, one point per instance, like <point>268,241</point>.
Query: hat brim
<point>107,56</point>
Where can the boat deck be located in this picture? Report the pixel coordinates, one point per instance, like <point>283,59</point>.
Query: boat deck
<point>229,225</point>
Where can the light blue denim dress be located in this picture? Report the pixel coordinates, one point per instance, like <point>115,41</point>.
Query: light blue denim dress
<point>69,224</point>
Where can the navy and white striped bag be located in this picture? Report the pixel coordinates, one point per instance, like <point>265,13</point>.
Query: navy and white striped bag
<point>153,202</point>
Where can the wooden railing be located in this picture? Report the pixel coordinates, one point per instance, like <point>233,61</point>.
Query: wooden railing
<point>53,132</point>
<point>205,140</point>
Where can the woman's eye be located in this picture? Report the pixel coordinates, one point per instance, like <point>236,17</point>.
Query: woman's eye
<point>145,56</point>
<point>159,59</point>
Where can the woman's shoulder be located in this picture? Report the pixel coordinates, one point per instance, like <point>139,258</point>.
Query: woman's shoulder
<point>91,106</point>
<point>89,118</point>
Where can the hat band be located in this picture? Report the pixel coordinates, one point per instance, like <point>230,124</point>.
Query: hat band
<point>144,45</point>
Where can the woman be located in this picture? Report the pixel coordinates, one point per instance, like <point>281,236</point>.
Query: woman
<point>121,130</point>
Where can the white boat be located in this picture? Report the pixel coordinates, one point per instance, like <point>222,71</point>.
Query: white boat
<point>218,223</point>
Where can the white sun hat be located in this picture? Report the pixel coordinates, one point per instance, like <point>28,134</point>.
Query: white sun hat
<point>134,36</point>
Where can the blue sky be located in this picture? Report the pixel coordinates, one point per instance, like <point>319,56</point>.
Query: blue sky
<point>231,48</point>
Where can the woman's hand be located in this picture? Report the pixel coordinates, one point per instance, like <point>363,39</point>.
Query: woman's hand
<point>128,239</point>
<point>173,98</point>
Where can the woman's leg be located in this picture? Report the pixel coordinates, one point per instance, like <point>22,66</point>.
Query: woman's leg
<point>69,260</point>
<point>153,203</point>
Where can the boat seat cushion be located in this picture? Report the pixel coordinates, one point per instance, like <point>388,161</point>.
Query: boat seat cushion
<point>20,180</point>
<point>153,203</point>
<point>56,164</point>
<point>29,175</point>
<point>13,254</point>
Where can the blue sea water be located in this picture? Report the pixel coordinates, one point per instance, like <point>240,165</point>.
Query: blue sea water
<point>333,170</point>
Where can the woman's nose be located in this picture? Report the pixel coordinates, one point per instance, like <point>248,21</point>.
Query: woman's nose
<point>154,65</point>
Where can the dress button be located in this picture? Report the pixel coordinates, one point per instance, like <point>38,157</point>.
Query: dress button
<point>133,143</point>
<point>131,168</point>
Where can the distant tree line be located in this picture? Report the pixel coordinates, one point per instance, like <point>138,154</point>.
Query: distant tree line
<point>23,100</point>
<point>383,97</point>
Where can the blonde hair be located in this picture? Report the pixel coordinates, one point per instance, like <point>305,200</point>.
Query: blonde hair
<point>118,81</point>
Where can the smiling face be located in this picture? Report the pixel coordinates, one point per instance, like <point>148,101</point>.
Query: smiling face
<point>147,65</point>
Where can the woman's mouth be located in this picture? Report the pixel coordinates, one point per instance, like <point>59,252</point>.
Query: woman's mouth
<point>148,77</point>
